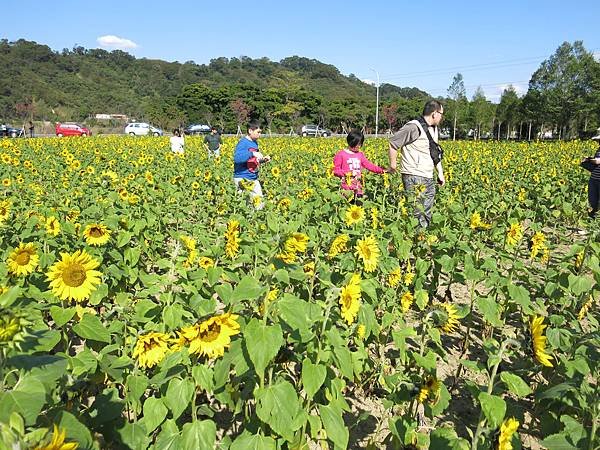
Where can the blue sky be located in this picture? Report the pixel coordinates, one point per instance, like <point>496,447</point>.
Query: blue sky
<point>420,44</point>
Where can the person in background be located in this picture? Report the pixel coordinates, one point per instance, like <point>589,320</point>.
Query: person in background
<point>593,165</point>
<point>213,142</point>
<point>31,128</point>
<point>348,164</point>
<point>246,163</point>
<point>177,142</point>
<point>421,154</point>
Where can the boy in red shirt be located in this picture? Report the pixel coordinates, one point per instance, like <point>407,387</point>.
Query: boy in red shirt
<point>348,164</point>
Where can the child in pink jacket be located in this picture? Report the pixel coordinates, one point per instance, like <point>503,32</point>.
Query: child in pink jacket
<point>348,164</point>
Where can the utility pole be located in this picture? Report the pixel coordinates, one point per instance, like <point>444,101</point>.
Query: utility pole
<point>376,104</point>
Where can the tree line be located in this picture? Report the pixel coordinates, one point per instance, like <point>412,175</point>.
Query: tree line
<point>41,84</point>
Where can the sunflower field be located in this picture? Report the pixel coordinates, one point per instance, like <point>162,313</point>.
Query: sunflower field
<point>145,303</point>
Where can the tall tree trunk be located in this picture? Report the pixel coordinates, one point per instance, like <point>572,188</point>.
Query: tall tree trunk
<point>454,128</point>
<point>529,133</point>
<point>499,123</point>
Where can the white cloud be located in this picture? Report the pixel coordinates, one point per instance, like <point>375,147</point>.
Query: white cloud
<point>115,42</point>
<point>367,81</point>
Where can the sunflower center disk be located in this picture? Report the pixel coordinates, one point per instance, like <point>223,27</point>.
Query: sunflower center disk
<point>74,275</point>
<point>96,232</point>
<point>22,259</point>
<point>212,333</point>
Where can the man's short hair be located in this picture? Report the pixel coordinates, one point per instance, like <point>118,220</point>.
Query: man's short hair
<point>354,138</point>
<point>432,106</point>
<point>213,128</point>
<point>253,125</point>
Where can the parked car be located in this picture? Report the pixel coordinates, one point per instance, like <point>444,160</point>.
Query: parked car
<point>314,130</point>
<point>197,129</point>
<point>142,129</point>
<point>71,129</point>
<point>8,131</point>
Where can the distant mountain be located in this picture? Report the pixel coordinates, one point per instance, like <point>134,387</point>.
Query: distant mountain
<point>77,83</point>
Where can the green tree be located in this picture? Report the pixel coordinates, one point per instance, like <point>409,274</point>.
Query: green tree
<point>458,97</point>
<point>508,110</point>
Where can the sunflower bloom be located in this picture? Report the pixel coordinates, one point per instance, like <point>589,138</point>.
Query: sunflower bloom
<point>361,331</point>
<point>514,234</point>
<point>74,277</point>
<point>151,348</point>
<point>430,390</point>
<point>536,328</point>
<point>394,277</point>
<point>96,234</point>
<point>52,226</point>
<point>354,214</point>
<point>58,441</point>
<point>23,260</point>
<point>585,308</point>
<point>296,243</point>
<point>477,223</point>
<point>206,262</point>
<point>232,240</point>
<point>4,210</point>
<point>211,337</point>
<point>451,320</point>
<point>367,250</point>
<point>338,245</point>
<point>406,301</point>
<point>537,244</point>
<point>507,429</point>
<point>350,299</point>
<point>409,274</point>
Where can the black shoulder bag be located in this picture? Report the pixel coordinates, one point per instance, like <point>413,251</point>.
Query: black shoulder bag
<point>435,150</point>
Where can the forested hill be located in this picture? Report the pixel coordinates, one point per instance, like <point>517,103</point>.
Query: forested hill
<point>76,83</point>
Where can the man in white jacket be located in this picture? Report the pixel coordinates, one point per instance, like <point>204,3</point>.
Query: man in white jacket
<point>421,154</point>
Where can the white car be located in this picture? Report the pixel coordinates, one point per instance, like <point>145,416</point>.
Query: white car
<point>142,129</point>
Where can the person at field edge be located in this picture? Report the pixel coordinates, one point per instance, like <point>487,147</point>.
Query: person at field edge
<point>348,164</point>
<point>213,142</point>
<point>246,163</point>
<point>421,154</point>
<point>177,142</point>
<point>31,128</point>
<point>594,182</point>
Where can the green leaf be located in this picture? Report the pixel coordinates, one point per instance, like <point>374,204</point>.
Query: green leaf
<point>435,409</point>
<point>214,275</point>
<point>421,298</point>
<point>84,362</point>
<point>278,406</point>
<point>282,276</point>
<point>344,361</point>
<point>427,362</point>
<point>493,407</point>
<point>91,327</point>
<point>490,310</point>
<point>137,385</point>
<point>557,442</point>
<point>313,377</point>
<point>155,412</point>
<point>263,343</point>
<point>27,398</point>
<point>578,284</point>
<point>61,315</point>
<point>199,434</point>
<point>515,384</point>
<point>247,441</point>
<point>247,289</point>
<point>179,395</point>
<point>133,435</point>
<point>75,430</point>
<point>520,295</point>
<point>203,376</point>
<point>334,425</point>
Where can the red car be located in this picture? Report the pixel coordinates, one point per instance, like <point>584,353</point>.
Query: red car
<point>71,129</point>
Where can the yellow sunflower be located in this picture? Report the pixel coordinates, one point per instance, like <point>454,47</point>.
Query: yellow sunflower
<point>52,226</point>
<point>536,328</point>
<point>58,441</point>
<point>394,277</point>
<point>96,234</point>
<point>205,262</point>
<point>338,245</point>
<point>450,322</point>
<point>430,390</point>
<point>296,243</point>
<point>507,429</point>
<point>350,299</point>
<point>514,234</point>
<point>23,260</point>
<point>232,240</point>
<point>151,348</point>
<point>406,301</point>
<point>4,210</point>
<point>354,214</point>
<point>74,277</point>
<point>477,223</point>
<point>367,250</point>
<point>213,336</point>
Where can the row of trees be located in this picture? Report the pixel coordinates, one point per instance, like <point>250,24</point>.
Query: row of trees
<point>563,95</point>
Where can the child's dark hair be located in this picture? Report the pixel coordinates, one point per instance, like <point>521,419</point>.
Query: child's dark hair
<point>253,125</point>
<point>355,138</point>
<point>176,132</point>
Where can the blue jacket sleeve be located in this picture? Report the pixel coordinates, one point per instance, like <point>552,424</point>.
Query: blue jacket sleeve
<point>242,153</point>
